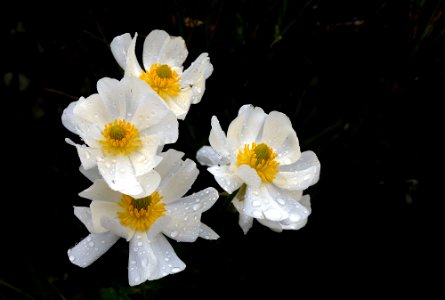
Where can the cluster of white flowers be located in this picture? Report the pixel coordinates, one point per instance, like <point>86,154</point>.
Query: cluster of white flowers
<point>138,189</point>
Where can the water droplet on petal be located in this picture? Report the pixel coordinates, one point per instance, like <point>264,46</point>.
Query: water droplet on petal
<point>273,214</point>
<point>176,270</point>
<point>281,201</point>
<point>139,244</point>
<point>166,259</point>
<point>88,238</point>
<point>133,262</point>
<point>91,244</point>
<point>72,258</point>
<point>197,206</point>
<point>135,249</point>
<point>256,203</point>
<point>174,234</point>
<point>257,214</point>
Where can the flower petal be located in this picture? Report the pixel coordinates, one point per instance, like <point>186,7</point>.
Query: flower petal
<point>88,156</point>
<point>245,222</point>
<point>166,129</point>
<point>199,70</point>
<point>68,118</point>
<point>91,248</point>
<point>112,93</point>
<point>119,47</point>
<point>84,215</point>
<point>142,259</point>
<point>149,183</point>
<point>225,178</point>
<point>160,48</point>
<point>300,175</point>
<point>93,111</point>
<point>207,233</point>
<point>180,104</point>
<point>144,107</point>
<point>275,226</point>
<point>279,134</point>
<point>178,181</point>
<point>248,175</point>
<point>252,126</point>
<point>92,174</point>
<point>207,156</point>
<point>145,159</point>
<point>100,210</point>
<point>112,224</point>
<point>132,66</point>
<point>185,215</point>
<point>120,175</point>
<point>99,191</point>
<point>167,260</point>
<point>171,160</point>
<point>217,138</point>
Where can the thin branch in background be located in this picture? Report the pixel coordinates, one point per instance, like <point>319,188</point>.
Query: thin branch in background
<point>60,93</point>
<point>15,289</point>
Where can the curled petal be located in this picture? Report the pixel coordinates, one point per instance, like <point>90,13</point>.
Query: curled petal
<point>91,248</point>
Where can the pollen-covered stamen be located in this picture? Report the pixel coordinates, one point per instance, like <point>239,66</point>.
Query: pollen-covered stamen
<point>140,214</point>
<point>163,80</point>
<point>120,137</point>
<point>261,158</point>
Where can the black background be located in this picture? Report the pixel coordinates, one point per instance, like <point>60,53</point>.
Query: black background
<point>362,82</point>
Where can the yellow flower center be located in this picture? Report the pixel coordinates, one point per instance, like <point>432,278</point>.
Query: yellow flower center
<point>261,158</point>
<point>140,214</point>
<point>121,137</point>
<point>163,80</point>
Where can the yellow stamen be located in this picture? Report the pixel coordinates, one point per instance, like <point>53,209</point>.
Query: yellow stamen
<point>140,214</point>
<point>121,137</point>
<point>261,158</point>
<point>163,80</point>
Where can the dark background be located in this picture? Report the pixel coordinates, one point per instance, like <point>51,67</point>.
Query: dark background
<point>362,82</point>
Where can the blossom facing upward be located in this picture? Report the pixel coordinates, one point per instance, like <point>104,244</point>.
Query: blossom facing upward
<point>123,127</point>
<point>260,157</point>
<point>145,222</point>
<point>163,57</point>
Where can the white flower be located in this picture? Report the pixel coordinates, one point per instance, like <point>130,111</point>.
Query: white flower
<point>261,157</point>
<point>163,57</point>
<point>144,222</point>
<point>123,127</point>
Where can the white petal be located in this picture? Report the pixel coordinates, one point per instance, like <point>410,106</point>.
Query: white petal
<point>141,261</point>
<point>279,134</point>
<point>92,174</point>
<point>68,118</point>
<point>113,225</point>
<point>159,41</point>
<point>174,52</point>
<point>180,104</point>
<point>145,159</point>
<point>207,156</point>
<point>84,215</point>
<point>132,67</point>
<point>149,183</point>
<point>245,222</point>
<point>119,47</point>
<point>112,93</point>
<point>275,226</point>
<point>178,181</point>
<point>166,129</point>
<point>171,160</point>
<point>100,191</point>
<point>185,215</point>
<point>225,178</point>
<point>236,127</point>
<point>252,126</point>
<point>207,233</point>
<point>100,210</point>
<point>93,111</point>
<point>88,156</point>
<point>248,175</point>
<point>288,201</point>
<point>120,175</point>
<point>91,248</point>
<point>217,138</point>
<point>144,107</point>
<point>259,204</point>
<point>198,71</point>
<point>300,175</point>
<point>167,260</point>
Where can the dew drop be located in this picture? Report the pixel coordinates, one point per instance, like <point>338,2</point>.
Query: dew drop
<point>139,244</point>
<point>273,214</point>
<point>174,234</point>
<point>72,258</point>
<point>256,203</point>
<point>166,259</point>
<point>176,270</point>
<point>281,201</point>
<point>88,238</point>
<point>197,206</point>
<point>91,244</point>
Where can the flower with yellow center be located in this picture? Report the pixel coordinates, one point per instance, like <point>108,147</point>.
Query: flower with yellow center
<point>260,157</point>
<point>163,57</point>
<point>145,221</point>
<point>122,126</point>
